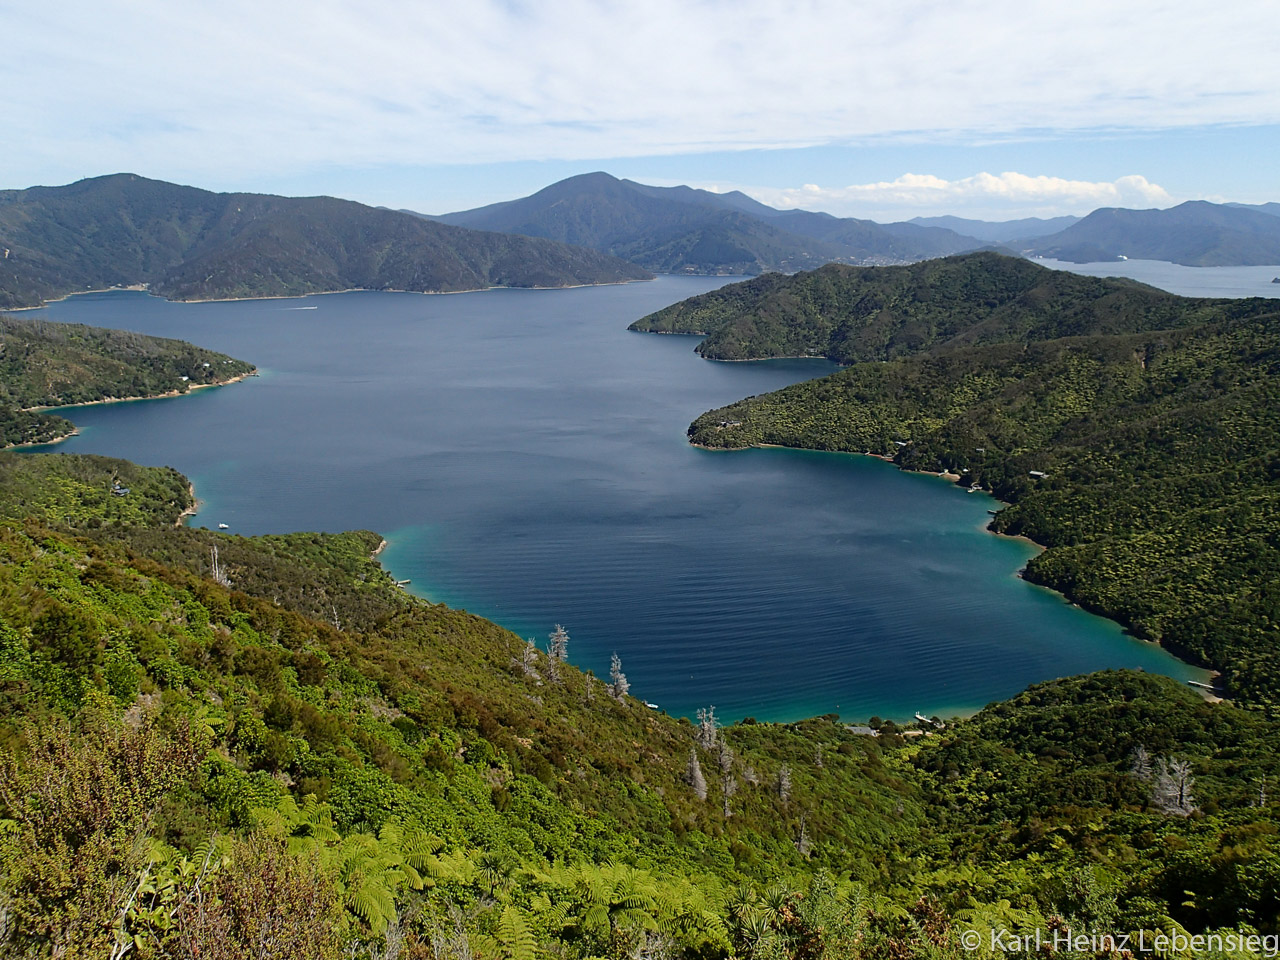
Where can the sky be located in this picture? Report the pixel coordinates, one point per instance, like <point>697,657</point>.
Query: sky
<point>884,110</point>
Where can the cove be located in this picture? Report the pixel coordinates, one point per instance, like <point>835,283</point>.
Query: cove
<point>525,456</point>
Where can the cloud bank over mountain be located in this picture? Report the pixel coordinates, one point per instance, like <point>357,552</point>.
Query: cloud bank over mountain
<point>984,194</point>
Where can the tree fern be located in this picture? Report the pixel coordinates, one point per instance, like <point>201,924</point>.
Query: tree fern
<point>515,936</point>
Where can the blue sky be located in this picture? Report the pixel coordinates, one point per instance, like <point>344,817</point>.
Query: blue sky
<point>981,108</point>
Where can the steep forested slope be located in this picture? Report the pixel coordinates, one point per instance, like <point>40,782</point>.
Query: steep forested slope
<point>194,764</point>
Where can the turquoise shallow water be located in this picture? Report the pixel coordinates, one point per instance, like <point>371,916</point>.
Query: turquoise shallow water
<point>525,456</point>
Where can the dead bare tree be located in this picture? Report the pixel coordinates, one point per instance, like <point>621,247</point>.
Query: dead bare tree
<point>527,660</point>
<point>707,734</point>
<point>618,685</point>
<point>219,570</point>
<point>693,775</point>
<point>559,647</point>
<point>1171,790</point>
<point>1140,763</point>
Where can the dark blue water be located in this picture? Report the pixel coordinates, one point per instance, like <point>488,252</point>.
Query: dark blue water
<point>525,456</point>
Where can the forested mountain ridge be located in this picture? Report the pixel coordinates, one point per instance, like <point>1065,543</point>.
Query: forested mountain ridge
<point>216,744</point>
<point>683,230</point>
<point>191,244</point>
<point>853,314</point>
<point>45,364</point>
<point>1146,460</point>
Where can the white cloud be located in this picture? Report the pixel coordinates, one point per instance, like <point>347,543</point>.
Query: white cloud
<point>983,195</point>
<point>247,87</point>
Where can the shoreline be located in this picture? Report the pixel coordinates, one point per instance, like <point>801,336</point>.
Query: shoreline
<point>986,526</point>
<point>190,511</point>
<point>131,288</point>
<point>75,431</point>
<point>801,356</point>
<point>44,443</point>
<point>154,396</point>
<point>146,288</point>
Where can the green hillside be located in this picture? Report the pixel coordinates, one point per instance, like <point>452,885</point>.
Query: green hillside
<point>199,756</point>
<point>852,314</point>
<point>45,364</point>
<point>190,244</point>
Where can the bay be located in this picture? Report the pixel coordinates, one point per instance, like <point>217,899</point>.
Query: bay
<point>525,456</point>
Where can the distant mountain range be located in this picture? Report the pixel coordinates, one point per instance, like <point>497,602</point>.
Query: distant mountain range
<point>1006,231</point>
<point>191,244</point>
<point>684,230</point>
<point>1196,234</point>
<point>1271,208</point>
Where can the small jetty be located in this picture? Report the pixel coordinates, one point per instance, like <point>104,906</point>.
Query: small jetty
<point>1202,686</point>
<point>403,583</point>
<point>933,723</point>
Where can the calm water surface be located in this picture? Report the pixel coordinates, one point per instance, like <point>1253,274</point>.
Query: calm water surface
<point>525,456</point>
<point>1187,281</point>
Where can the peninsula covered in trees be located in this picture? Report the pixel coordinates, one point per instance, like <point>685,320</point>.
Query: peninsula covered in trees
<point>45,364</point>
<point>853,314</point>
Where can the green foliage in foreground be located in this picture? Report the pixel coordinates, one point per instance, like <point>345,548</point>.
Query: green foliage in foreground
<point>45,364</point>
<point>854,314</point>
<point>1160,452</point>
<point>191,770</point>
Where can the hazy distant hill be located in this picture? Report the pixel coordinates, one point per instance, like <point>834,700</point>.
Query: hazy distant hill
<point>1196,234</point>
<point>188,243</point>
<point>681,229</point>
<point>1271,208</point>
<point>1005,231</point>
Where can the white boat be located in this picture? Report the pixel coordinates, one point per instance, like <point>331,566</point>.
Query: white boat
<point>223,526</point>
